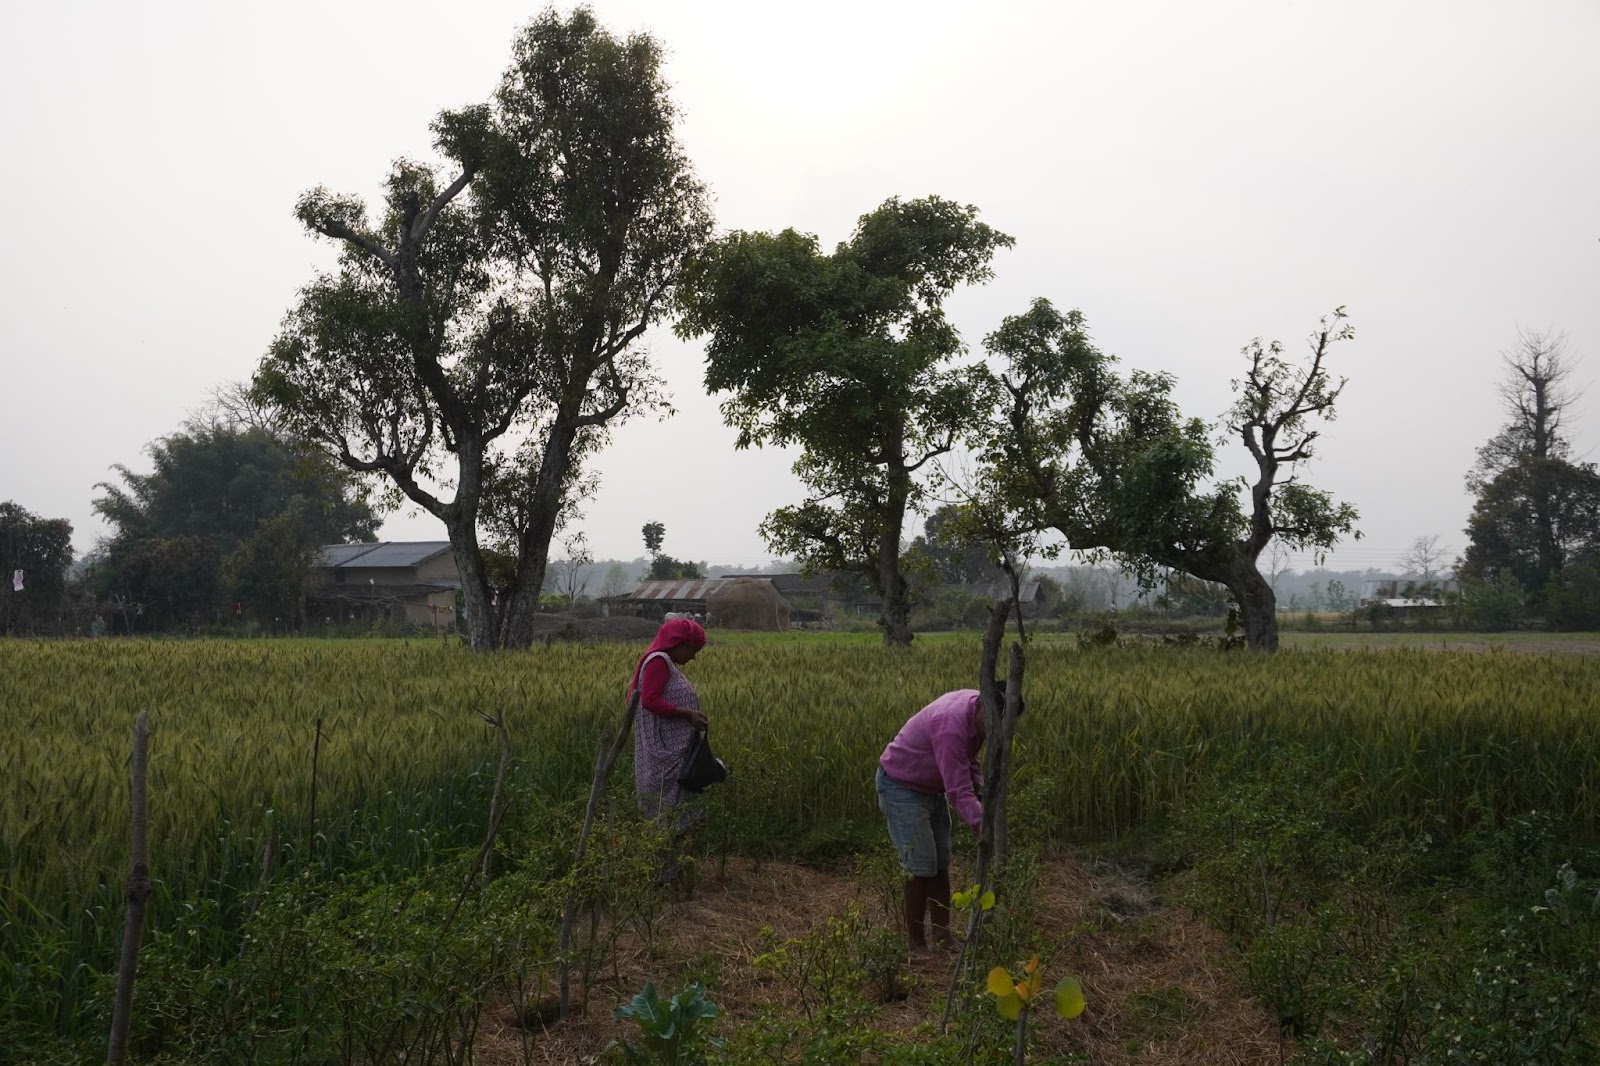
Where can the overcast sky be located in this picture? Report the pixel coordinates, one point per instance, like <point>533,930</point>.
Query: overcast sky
<point>1189,175</point>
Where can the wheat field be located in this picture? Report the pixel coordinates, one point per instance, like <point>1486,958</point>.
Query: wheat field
<point>404,760</point>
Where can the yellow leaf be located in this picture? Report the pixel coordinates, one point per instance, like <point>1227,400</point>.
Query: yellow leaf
<point>1033,964</point>
<point>1069,997</point>
<point>999,982</point>
<point>987,900</point>
<point>1023,991</point>
<point>1009,1007</point>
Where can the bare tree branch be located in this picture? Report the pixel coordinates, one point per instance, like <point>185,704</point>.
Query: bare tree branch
<point>339,231</point>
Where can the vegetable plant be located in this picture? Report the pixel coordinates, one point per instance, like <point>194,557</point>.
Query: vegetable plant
<point>670,1030</point>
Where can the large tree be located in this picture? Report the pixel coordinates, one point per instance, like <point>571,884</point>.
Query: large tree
<point>1531,520</point>
<point>222,499</point>
<point>42,549</point>
<point>1536,508</point>
<point>848,356</point>
<point>221,482</point>
<point>484,333</point>
<point>1110,463</point>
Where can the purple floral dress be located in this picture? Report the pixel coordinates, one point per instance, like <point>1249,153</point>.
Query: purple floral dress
<point>660,746</point>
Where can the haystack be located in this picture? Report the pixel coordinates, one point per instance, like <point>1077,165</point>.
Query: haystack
<point>748,603</point>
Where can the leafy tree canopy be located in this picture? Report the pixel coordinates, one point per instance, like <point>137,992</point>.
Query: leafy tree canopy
<point>220,483</point>
<point>1109,461</point>
<point>1531,519</point>
<point>42,549</point>
<point>655,534</point>
<point>481,333</point>
<point>847,355</point>
<point>217,490</point>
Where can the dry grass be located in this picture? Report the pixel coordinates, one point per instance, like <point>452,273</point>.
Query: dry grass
<point>1157,987</point>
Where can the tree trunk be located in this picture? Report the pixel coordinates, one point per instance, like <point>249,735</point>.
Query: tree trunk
<point>991,835</point>
<point>1547,553</point>
<point>896,617</point>
<point>516,625</point>
<point>475,605</point>
<point>547,491</point>
<point>1258,605</point>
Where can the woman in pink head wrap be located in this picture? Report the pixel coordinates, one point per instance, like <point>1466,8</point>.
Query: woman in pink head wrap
<point>666,718</point>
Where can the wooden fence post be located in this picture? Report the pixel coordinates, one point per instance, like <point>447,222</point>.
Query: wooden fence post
<point>138,894</point>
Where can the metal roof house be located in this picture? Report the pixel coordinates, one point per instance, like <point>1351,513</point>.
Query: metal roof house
<point>656,599</point>
<point>409,581</point>
<point>806,595</point>
<point>1404,593</point>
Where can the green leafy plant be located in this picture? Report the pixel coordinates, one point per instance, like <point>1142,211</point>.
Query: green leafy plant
<point>882,957</point>
<point>670,1030</point>
<point>1015,1000</point>
<point>823,968</point>
<point>962,900</point>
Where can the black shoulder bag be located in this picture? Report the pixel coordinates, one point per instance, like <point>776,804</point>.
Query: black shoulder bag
<point>701,767</point>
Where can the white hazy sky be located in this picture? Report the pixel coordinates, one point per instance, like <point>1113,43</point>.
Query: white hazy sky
<point>1189,175</point>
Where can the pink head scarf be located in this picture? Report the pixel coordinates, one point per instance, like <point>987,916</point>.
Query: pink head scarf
<point>669,636</point>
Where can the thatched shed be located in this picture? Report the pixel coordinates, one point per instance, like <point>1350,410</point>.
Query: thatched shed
<point>747,603</point>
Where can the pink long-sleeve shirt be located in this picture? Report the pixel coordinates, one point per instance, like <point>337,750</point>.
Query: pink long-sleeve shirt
<point>937,751</point>
<point>653,688</point>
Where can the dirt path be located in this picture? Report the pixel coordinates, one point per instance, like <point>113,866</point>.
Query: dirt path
<point>1153,975</point>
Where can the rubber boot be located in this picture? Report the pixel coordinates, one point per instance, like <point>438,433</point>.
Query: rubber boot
<point>916,907</point>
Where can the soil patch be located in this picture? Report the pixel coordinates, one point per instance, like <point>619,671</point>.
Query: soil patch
<point>1155,978</point>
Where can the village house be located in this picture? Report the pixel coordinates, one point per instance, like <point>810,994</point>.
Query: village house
<point>1407,597</point>
<point>405,581</point>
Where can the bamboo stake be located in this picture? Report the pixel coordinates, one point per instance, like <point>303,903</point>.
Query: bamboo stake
<point>497,803</point>
<point>497,812</point>
<point>316,755</point>
<point>137,895</point>
<point>989,706</point>
<point>605,759</point>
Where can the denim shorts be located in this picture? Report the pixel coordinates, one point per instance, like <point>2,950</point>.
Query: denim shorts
<point>919,825</point>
